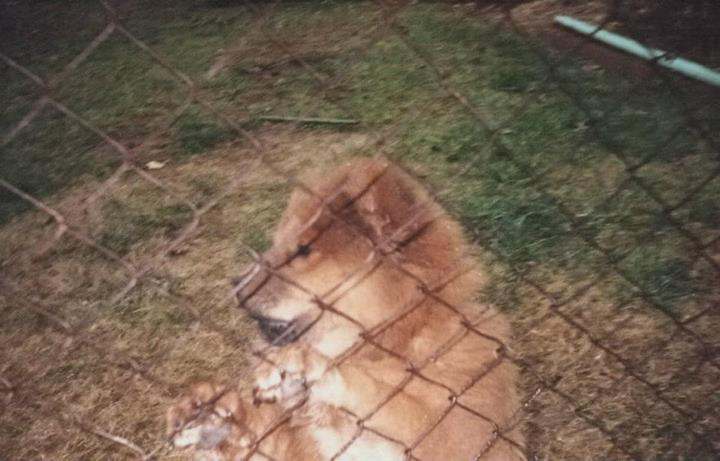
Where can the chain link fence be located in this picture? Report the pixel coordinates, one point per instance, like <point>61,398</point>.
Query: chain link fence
<point>613,297</point>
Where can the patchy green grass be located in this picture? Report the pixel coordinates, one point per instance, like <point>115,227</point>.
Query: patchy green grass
<point>557,156</point>
<point>194,134</point>
<point>380,82</point>
<point>52,154</point>
<point>257,229</point>
<point>666,275</point>
<point>127,223</point>
<point>524,228</point>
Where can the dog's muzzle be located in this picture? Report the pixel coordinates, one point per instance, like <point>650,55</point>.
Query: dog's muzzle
<point>276,332</point>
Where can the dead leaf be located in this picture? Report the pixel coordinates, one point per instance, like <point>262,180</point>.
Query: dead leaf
<point>154,165</point>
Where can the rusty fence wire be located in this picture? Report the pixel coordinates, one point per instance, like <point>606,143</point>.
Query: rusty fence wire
<point>692,422</point>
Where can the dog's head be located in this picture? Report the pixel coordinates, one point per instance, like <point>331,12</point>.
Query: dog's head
<point>326,249</point>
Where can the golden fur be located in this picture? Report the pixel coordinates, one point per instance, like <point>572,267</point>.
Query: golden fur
<point>346,283</point>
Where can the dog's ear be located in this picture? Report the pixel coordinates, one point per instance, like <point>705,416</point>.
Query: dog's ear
<point>377,199</point>
<point>393,211</point>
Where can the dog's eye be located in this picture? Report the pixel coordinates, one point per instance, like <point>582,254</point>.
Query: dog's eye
<point>303,250</point>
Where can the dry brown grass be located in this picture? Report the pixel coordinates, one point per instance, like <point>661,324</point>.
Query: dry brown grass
<point>599,386</point>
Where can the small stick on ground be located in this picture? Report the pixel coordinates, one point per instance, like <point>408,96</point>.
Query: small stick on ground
<point>332,121</point>
<point>113,438</point>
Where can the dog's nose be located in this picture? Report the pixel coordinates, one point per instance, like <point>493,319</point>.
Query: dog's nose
<point>277,332</point>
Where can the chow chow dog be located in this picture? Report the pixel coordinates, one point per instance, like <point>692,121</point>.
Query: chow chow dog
<point>376,349</point>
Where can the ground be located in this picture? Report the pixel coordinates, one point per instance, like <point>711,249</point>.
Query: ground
<point>571,189</point>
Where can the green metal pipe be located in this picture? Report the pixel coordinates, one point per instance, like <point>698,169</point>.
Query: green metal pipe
<point>688,68</point>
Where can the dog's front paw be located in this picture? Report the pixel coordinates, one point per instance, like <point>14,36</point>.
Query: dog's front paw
<point>285,375</point>
<point>278,382</point>
<point>208,420</point>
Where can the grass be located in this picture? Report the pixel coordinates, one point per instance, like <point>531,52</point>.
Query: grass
<point>666,275</point>
<point>562,158</point>
<point>37,163</point>
<point>194,134</point>
<point>123,227</point>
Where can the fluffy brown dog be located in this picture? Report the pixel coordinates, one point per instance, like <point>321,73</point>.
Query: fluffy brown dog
<point>379,352</point>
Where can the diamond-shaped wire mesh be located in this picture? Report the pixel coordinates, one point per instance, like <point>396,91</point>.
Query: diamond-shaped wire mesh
<point>146,152</point>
